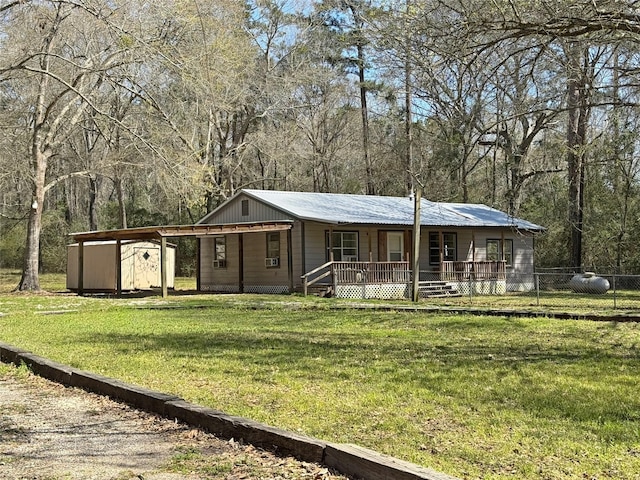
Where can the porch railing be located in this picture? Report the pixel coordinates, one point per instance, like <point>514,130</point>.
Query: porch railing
<point>371,272</point>
<point>342,273</point>
<point>350,273</point>
<point>482,270</point>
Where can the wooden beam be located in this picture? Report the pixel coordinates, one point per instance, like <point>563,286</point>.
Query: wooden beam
<point>154,233</point>
<point>80,267</point>
<point>198,257</point>
<point>290,260</point>
<point>119,268</point>
<point>240,263</point>
<point>163,266</point>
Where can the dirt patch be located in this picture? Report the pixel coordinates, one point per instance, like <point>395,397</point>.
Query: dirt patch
<point>49,432</point>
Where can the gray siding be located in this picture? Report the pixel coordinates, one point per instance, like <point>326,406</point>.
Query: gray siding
<point>220,279</point>
<point>258,212</point>
<point>316,248</point>
<point>296,247</point>
<point>256,275</point>
<point>522,249</point>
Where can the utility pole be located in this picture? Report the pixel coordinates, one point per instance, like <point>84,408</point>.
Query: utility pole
<point>416,240</point>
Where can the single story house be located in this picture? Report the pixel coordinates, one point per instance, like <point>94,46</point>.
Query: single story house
<point>360,245</point>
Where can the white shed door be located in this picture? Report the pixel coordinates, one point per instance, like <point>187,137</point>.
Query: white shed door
<point>146,267</point>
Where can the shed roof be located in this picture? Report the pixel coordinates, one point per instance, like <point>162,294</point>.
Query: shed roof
<point>382,210</point>
<point>158,232</point>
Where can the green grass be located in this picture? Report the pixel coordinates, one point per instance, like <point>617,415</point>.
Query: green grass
<point>620,302</point>
<point>475,397</point>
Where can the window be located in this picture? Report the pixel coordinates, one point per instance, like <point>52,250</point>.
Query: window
<point>449,247</point>
<point>273,250</point>
<point>495,250</point>
<point>245,208</point>
<point>220,252</point>
<point>395,246</point>
<point>344,246</point>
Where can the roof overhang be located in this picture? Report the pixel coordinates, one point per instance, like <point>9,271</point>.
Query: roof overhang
<point>199,230</point>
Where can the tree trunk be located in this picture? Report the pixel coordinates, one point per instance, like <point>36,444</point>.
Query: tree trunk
<point>122,208</point>
<point>30,279</point>
<point>371,189</point>
<point>578,112</point>
<point>93,195</point>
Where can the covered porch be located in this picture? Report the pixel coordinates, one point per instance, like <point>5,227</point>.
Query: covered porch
<point>389,280</point>
<point>161,234</point>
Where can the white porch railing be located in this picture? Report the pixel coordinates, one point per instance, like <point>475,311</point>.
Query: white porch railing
<point>483,270</point>
<point>337,274</point>
<point>357,273</point>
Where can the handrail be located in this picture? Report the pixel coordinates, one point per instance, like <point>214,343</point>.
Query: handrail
<point>321,267</point>
<point>305,278</point>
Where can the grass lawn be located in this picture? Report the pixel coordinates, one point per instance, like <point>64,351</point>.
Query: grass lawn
<point>475,397</point>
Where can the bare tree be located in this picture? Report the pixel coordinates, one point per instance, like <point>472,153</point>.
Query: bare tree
<point>57,58</point>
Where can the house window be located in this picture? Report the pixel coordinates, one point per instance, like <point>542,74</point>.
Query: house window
<point>395,246</point>
<point>245,208</point>
<point>273,250</point>
<point>449,247</point>
<point>496,249</point>
<point>220,252</point>
<point>344,246</point>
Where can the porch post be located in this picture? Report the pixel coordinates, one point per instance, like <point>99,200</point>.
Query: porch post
<point>119,268</point>
<point>163,266</point>
<point>80,267</point>
<point>331,243</point>
<point>473,246</point>
<point>198,254</point>
<point>241,262</point>
<point>290,260</point>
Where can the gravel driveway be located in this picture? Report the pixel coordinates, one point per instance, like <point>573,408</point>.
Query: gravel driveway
<point>50,432</point>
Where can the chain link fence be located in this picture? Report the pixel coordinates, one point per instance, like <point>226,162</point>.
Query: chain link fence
<point>552,291</point>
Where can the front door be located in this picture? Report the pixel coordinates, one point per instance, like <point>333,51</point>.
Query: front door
<point>395,246</point>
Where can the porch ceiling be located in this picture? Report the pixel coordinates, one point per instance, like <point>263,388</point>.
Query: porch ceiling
<point>200,230</point>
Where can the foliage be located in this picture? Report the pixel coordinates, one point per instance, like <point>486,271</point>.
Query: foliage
<point>133,114</point>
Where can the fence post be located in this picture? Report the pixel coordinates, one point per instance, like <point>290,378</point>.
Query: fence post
<point>470,288</point>
<point>615,303</point>
<point>536,276</point>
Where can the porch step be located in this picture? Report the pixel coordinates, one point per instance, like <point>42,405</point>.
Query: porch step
<point>320,290</point>
<point>437,289</point>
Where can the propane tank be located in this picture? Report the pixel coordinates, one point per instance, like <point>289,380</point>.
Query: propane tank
<point>589,282</point>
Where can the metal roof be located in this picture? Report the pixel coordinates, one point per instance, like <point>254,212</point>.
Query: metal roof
<point>381,210</point>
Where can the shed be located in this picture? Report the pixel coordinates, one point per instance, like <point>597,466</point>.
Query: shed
<point>139,265</point>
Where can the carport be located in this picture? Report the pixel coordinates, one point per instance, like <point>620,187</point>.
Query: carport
<point>161,234</point>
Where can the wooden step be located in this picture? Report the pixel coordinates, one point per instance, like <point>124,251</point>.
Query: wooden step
<point>437,289</point>
<point>320,290</point>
